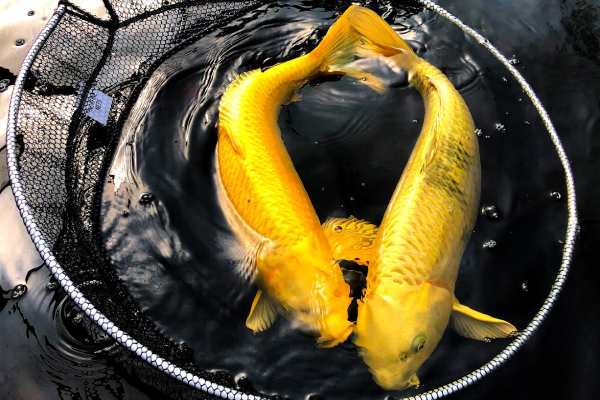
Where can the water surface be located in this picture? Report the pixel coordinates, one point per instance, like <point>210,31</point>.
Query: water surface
<point>349,146</point>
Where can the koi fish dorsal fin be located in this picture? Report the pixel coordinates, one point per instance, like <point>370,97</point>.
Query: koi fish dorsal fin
<point>263,313</point>
<point>350,239</point>
<point>475,325</point>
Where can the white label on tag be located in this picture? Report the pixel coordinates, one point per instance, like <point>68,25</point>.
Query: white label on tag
<point>97,106</point>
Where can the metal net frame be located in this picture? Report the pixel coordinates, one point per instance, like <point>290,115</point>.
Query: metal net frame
<point>58,158</point>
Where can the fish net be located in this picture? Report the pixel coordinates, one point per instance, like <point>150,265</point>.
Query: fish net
<point>72,97</point>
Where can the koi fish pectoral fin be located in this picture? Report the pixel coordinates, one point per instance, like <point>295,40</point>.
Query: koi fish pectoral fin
<point>263,313</point>
<point>350,239</point>
<point>475,325</point>
<point>247,268</point>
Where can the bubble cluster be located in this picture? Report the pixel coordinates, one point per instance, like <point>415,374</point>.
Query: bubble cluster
<point>499,127</point>
<point>18,291</point>
<point>489,244</point>
<point>4,84</point>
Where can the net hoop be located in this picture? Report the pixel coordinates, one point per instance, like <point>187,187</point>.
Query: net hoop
<point>224,392</point>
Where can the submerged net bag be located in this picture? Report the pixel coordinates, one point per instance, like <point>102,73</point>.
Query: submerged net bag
<point>72,98</point>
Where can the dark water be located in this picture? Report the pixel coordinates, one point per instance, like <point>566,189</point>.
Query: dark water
<point>349,145</point>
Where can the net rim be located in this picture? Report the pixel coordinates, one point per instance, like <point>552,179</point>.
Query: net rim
<point>224,392</point>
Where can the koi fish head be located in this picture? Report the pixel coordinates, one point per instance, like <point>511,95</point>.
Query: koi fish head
<point>335,327</point>
<point>312,290</point>
<point>326,310</point>
<point>398,327</point>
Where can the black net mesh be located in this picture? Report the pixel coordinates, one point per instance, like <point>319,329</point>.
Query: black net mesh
<point>63,155</point>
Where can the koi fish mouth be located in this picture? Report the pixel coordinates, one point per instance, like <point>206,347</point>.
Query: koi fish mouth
<point>337,331</point>
<point>391,381</point>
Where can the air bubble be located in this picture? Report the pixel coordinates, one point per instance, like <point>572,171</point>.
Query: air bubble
<point>504,79</point>
<point>18,291</point>
<point>491,212</point>
<point>352,198</point>
<point>146,198</point>
<point>30,13</point>
<point>313,396</point>
<point>524,287</point>
<point>363,184</point>
<point>20,42</point>
<point>52,285</point>
<point>513,60</point>
<point>555,195</point>
<point>243,383</point>
<point>478,132</point>
<point>4,84</point>
<point>489,244</point>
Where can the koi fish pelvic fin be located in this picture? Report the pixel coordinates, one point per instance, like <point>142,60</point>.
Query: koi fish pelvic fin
<point>263,313</point>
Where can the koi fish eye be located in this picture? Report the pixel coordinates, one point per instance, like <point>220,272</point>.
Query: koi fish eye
<point>418,343</point>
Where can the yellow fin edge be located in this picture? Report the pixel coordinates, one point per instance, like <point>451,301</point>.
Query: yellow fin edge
<point>473,324</point>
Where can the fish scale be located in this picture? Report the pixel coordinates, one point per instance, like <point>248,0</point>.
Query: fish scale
<point>417,231</point>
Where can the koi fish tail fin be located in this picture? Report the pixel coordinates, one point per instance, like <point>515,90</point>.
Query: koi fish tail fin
<point>378,37</point>
<point>341,46</point>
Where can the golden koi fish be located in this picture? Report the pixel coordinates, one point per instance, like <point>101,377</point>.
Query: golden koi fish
<point>409,299</point>
<point>265,203</point>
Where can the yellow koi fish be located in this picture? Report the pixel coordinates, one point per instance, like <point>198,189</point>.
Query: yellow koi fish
<point>265,203</point>
<point>409,299</point>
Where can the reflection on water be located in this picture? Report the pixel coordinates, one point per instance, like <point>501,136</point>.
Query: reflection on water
<point>349,146</point>
<point>50,351</point>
